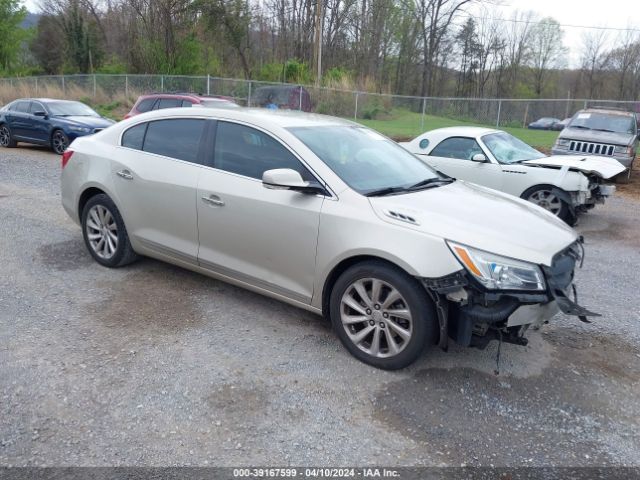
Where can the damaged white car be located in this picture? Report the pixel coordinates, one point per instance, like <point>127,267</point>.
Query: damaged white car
<point>565,185</point>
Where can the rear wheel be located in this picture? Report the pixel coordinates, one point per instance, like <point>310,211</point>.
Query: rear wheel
<point>59,141</point>
<point>382,315</point>
<point>6,137</point>
<point>546,198</point>
<point>104,233</point>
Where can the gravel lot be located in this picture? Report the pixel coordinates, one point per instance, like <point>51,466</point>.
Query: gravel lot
<point>155,365</point>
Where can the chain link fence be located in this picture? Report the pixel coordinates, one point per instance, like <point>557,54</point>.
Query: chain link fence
<point>411,115</point>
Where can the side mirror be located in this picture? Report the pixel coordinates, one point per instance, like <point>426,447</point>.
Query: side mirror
<point>289,179</point>
<point>40,113</point>
<point>479,157</point>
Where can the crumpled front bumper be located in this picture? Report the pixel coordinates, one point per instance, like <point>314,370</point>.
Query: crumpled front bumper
<point>474,316</point>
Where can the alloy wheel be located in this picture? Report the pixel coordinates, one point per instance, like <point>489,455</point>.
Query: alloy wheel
<point>59,142</point>
<point>102,232</point>
<point>547,200</point>
<point>5,136</point>
<point>376,317</point>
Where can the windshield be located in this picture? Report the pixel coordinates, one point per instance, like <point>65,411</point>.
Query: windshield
<point>508,149</point>
<point>364,159</point>
<point>71,109</point>
<point>604,122</point>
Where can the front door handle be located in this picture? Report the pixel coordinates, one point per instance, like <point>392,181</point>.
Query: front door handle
<point>126,174</point>
<point>213,200</point>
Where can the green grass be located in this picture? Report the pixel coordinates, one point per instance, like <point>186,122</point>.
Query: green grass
<point>404,125</point>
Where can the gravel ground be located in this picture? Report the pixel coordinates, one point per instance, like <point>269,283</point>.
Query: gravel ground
<point>155,365</point>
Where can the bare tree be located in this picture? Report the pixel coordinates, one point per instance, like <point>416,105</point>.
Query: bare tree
<point>546,51</point>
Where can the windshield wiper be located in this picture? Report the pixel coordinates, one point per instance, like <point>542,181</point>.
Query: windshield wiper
<point>385,191</point>
<point>579,126</point>
<point>604,130</point>
<point>431,181</point>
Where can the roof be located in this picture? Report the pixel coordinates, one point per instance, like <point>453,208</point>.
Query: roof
<point>609,111</point>
<point>257,116</point>
<point>466,131</point>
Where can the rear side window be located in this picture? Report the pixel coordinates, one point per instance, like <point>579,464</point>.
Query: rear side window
<point>170,103</point>
<point>186,103</point>
<point>22,107</point>
<point>134,137</point>
<point>175,138</point>
<point>146,105</point>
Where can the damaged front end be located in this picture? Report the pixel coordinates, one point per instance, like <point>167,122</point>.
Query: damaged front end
<point>472,314</point>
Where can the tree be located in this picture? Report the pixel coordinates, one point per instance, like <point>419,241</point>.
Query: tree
<point>594,60</point>
<point>11,34</point>
<point>546,51</point>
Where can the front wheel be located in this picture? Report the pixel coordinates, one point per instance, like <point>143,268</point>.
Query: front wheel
<point>6,137</point>
<point>59,142</point>
<point>382,315</point>
<point>104,233</point>
<point>546,198</point>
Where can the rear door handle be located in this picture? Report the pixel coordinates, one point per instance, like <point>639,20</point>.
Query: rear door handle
<point>213,200</point>
<point>126,174</point>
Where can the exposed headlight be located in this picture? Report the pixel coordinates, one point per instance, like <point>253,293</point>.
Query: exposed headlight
<point>562,143</point>
<point>80,129</point>
<point>496,272</point>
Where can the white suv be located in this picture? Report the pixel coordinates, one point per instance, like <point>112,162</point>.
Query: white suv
<point>326,215</point>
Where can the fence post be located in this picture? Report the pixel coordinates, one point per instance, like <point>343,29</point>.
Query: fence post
<point>424,107</point>
<point>95,86</point>
<point>299,98</point>
<point>499,110</point>
<point>208,84</point>
<point>126,86</point>
<point>585,104</point>
<point>249,95</point>
<point>162,83</point>
<point>355,112</point>
<point>64,90</point>
<point>36,86</point>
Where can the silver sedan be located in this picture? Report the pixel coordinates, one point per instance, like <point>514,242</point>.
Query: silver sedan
<point>326,215</point>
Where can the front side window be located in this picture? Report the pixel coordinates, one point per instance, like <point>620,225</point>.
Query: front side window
<point>461,148</point>
<point>250,152</point>
<point>176,138</point>
<point>508,149</point>
<point>36,107</point>
<point>364,159</point>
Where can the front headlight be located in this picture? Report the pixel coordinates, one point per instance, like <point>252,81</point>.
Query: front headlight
<point>562,143</point>
<point>80,129</point>
<point>623,150</point>
<point>496,272</point>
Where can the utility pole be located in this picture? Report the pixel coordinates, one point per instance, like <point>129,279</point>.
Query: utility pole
<point>318,40</point>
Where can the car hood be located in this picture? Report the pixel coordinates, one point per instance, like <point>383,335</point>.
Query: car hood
<point>481,218</point>
<point>604,167</point>
<point>596,136</point>
<point>91,122</point>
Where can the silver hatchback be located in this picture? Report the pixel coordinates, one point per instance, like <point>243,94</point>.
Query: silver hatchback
<point>326,215</point>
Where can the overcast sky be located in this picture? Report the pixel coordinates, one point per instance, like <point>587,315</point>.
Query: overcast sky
<point>600,13</point>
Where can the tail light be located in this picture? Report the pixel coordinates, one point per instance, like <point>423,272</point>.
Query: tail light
<point>128,115</point>
<point>65,157</point>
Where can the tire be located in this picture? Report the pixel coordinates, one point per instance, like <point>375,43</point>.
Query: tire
<point>59,141</point>
<point>358,322</point>
<point>6,137</point>
<point>544,197</point>
<point>105,234</point>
